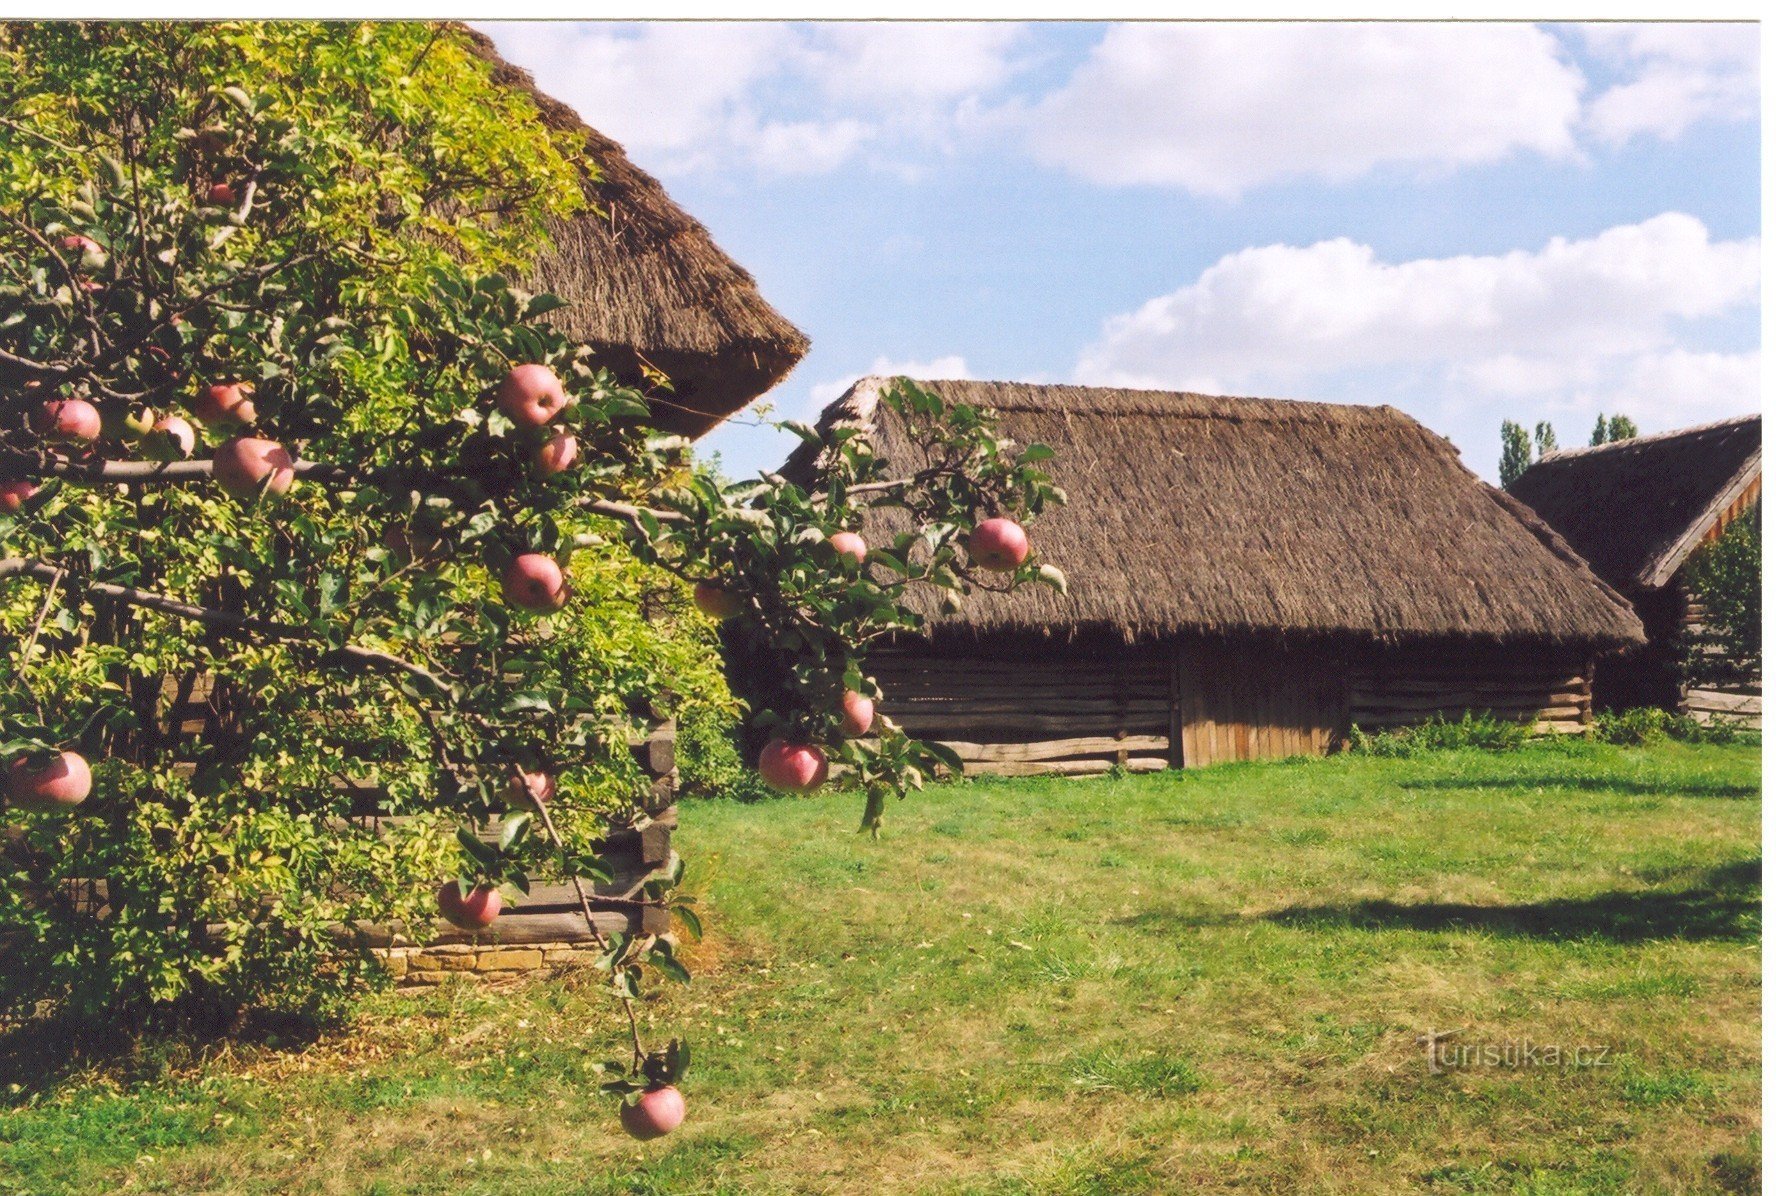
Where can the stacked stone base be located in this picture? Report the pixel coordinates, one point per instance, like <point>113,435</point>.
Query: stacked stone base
<point>420,966</point>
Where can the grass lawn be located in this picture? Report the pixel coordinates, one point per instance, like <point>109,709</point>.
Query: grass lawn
<point>1204,982</point>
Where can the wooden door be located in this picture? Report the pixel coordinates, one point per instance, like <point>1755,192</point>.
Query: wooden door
<point>1252,701</point>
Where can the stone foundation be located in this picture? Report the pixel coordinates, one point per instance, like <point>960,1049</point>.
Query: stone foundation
<point>417,966</point>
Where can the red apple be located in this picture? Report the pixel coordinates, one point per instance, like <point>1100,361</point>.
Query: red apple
<point>857,714</point>
<point>171,438</point>
<point>67,420</point>
<point>92,254</point>
<point>223,195</point>
<point>59,785</point>
<point>656,1113</point>
<point>244,465</point>
<point>556,455</point>
<point>14,495</point>
<point>534,582</point>
<point>539,784</point>
<point>792,767</point>
<point>532,396</point>
<point>716,602</point>
<point>224,403</point>
<point>474,912</point>
<point>998,544</point>
<point>850,544</point>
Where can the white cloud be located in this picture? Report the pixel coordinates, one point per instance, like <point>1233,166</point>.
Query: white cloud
<point>1507,321</point>
<point>1677,75</point>
<point>785,99</point>
<point>1219,108</point>
<point>937,369</point>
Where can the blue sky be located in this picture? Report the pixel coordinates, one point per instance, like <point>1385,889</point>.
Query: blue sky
<point>1470,222</point>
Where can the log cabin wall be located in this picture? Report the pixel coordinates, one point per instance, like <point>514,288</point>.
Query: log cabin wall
<point>1018,709</point>
<point>1544,687</point>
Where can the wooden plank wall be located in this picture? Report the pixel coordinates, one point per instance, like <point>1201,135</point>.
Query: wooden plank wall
<point>1730,696</point>
<point>1055,708</point>
<point>1549,690</point>
<point>1250,701</point>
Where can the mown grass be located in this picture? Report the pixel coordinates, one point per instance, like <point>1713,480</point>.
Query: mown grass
<point>1207,982</point>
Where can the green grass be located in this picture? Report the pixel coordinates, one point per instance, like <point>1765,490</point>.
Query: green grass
<point>1208,982</point>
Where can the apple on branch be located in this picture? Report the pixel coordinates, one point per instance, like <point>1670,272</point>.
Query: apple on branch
<point>998,544</point>
<point>539,784</point>
<point>67,421</point>
<point>535,583</point>
<point>61,784</point>
<point>792,767</point>
<point>556,455</point>
<point>15,494</point>
<point>89,254</point>
<point>658,1111</point>
<point>474,911</point>
<point>225,403</point>
<point>531,395</point>
<point>857,714</point>
<point>850,544</point>
<point>248,466</point>
<point>170,438</point>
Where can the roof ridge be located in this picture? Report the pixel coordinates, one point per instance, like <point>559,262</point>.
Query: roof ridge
<point>1264,407</point>
<point>1632,441</point>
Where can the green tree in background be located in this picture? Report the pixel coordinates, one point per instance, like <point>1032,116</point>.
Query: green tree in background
<point>1612,428</point>
<point>1546,441</point>
<point>1726,577</point>
<point>1514,458</point>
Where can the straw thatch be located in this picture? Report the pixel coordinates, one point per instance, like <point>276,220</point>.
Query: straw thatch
<point>647,284</point>
<point>1636,509</point>
<point>1226,515</point>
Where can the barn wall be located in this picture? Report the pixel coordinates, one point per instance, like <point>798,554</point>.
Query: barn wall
<point>1546,688</point>
<point>1045,707</point>
<point>1033,708</point>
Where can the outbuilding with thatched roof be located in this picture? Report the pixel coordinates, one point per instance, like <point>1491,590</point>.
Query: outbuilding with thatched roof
<point>1249,578</point>
<point>1638,511</point>
<point>648,285</point>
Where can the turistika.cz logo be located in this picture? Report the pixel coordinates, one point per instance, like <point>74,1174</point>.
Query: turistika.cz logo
<point>1443,1054</point>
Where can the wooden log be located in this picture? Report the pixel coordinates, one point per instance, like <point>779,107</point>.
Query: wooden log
<point>1055,749</point>
<point>1723,702</point>
<point>1064,768</point>
<point>1458,704</point>
<point>1418,684</point>
<point>1470,697</point>
<point>925,726</point>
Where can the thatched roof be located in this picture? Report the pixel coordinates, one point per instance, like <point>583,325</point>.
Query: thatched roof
<point>1636,509</point>
<point>1223,515</point>
<point>646,283</point>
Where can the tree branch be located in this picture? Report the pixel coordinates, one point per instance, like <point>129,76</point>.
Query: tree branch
<point>147,473</point>
<point>225,620</point>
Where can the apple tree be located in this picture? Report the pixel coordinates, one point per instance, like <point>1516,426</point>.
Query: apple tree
<point>278,431</point>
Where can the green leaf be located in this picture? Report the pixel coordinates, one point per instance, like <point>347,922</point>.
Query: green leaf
<point>688,918</point>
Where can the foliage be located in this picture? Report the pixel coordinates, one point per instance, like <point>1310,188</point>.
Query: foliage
<point>1514,456</point>
<point>1545,439</point>
<point>1727,577</point>
<point>1641,725</point>
<point>1472,730</point>
<point>325,215</point>
<point>1609,429</point>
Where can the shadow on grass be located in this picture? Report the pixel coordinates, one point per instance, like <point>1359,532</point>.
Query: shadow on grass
<point>1723,904</point>
<point>1609,784</point>
<point>40,1054</point>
